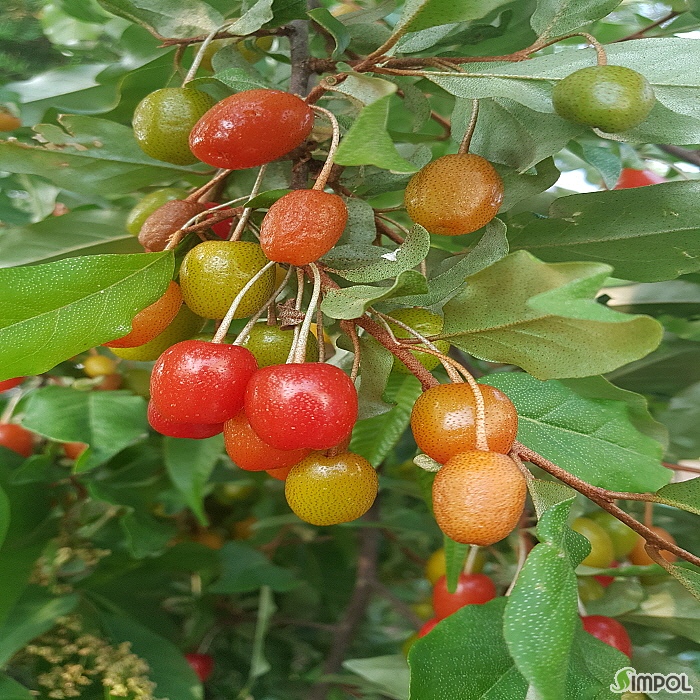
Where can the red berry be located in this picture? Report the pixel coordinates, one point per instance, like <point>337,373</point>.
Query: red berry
<point>11,383</point>
<point>471,589</point>
<point>428,627</point>
<point>222,228</point>
<point>16,438</point>
<point>249,452</point>
<point>301,405</point>
<point>280,474</point>
<point>637,178</point>
<point>605,581</point>
<point>202,665</point>
<point>178,429</point>
<point>609,631</point>
<point>251,128</point>
<point>199,382</point>
<point>73,450</point>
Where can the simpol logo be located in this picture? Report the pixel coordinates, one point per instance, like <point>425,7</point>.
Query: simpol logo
<point>628,680</point>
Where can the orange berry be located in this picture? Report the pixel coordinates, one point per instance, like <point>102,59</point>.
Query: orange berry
<point>170,217</point>
<point>639,557</point>
<point>209,538</point>
<point>280,474</point>
<point>73,450</point>
<point>9,122</point>
<point>98,366</point>
<point>478,497</point>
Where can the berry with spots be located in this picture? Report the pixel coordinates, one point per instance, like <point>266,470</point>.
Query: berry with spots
<point>214,272</point>
<point>443,420</point>
<point>609,98</point>
<point>623,538</point>
<point>251,128</point>
<point>302,226</point>
<point>8,384</point>
<point>163,120</point>
<point>455,194</point>
<point>472,589</point>
<point>199,382</point>
<point>478,497</point>
<point>426,323</point>
<point>602,550</point>
<point>331,490</point>
<point>99,366</point>
<point>180,429</point>
<point>639,557</point>
<point>152,201</point>
<point>9,122</point>
<point>295,406</point>
<point>271,344</point>
<point>630,178</point>
<point>609,631</point>
<point>159,227</point>
<point>16,438</point>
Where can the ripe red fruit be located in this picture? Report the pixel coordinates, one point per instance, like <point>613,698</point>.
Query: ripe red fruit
<point>472,589</point>
<point>249,452</point>
<point>428,627</point>
<point>251,128</point>
<point>179,429</point>
<point>73,450</point>
<point>202,665</point>
<point>637,178</point>
<point>199,382</point>
<point>222,228</point>
<point>301,405</point>
<point>11,383</point>
<point>609,631</point>
<point>302,226</point>
<point>280,474</point>
<point>16,438</point>
<point>605,581</point>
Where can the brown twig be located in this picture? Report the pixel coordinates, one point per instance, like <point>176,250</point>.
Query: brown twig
<point>640,34</point>
<point>279,31</point>
<point>688,155</point>
<point>386,230</point>
<point>399,605</point>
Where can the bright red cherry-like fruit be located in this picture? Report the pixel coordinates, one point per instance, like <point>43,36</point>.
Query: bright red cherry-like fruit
<point>629,177</point>
<point>16,438</point>
<point>202,665</point>
<point>249,452</point>
<point>428,627</point>
<point>251,128</point>
<point>199,382</point>
<point>471,589</point>
<point>609,631</point>
<point>11,383</point>
<point>180,429</point>
<point>302,226</point>
<point>73,450</point>
<point>294,406</point>
<point>222,228</point>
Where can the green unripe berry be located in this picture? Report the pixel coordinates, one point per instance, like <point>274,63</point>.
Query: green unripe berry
<point>151,202</point>
<point>602,552</point>
<point>589,589</point>
<point>163,120</point>
<point>610,98</point>
<point>623,538</point>
<point>426,323</point>
<point>271,344</point>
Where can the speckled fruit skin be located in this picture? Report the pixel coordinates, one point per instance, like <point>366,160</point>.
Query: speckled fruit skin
<point>8,384</point>
<point>623,538</point>
<point>184,326</point>
<point>165,221</point>
<point>9,122</point>
<point>251,128</point>
<point>152,201</point>
<point>472,589</point>
<point>301,405</point>
<point>178,429</point>
<point>202,665</point>
<point>602,550</point>
<point>331,490</point>
<point>630,178</point>
<point>213,273</point>
<point>249,452</point>
<point>16,438</point>
<point>610,98</point>
<point>443,420</point>
<point>455,194</point>
<point>98,366</point>
<point>639,556</point>
<point>609,631</point>
<point>163,120</point>
<point>426,323</point>
<point>271,344</point>
<point>302,226</point>
<point>199,382</point>
<point>152,320</point>
<point>478,497</point>
<point>279,474</point>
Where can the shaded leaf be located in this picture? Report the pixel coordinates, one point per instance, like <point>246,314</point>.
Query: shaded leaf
<point>422,14</point>
<point>389,674</point>
<point>556,17</point>
<point>244,569</point>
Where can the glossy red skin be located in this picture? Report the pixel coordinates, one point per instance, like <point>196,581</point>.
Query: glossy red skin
<point>73,450</point>
<point>279,474</point>
<point>11,383</point>
<point>428,627</point>
<point>202,665</point>
<point>16,438</point>
<point>195,381</point>
<point>472,589</point>
<point>174,428</point>
<point>605,581</point>
<point>295,406</point>
<point>223,228</point>
<point>637,178</point>
<point>251,128</point>
<point>609,631</point>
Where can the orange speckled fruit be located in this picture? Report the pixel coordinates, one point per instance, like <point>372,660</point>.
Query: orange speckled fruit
<point>454,194</point>
<point>639,557</point>
<point>330,490</point>
<point>444,420</point>
<point>213,273</point>
<point>9,122</point>
<point>478,497</point>
<point>302,226</point>
<point>153,320</point>
<point>165,221</point>
<point>279,474</point>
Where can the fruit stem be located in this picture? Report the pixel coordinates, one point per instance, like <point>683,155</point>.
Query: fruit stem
<point>471,558</point>
<point>226,321</point>
<point>247,211</point>
<point>200,55</point>
<point>10,407</point>
<point>320,335</point>
<point>323,176</point>
<point>297,306</point>
<point>300,350</point>
<point>602,58</point>
<point>350,328</point>
<point>649,514</point>
<point>467,140</point>
<point>221,175</point>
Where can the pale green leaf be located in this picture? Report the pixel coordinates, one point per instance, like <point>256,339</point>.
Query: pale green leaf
<point>389,674</point>
<point>259,665</point>
<point>557,17</point>
<point>455,557</point>
<point>422,14</point>
<point>336,29</point>
<point>375,368</point>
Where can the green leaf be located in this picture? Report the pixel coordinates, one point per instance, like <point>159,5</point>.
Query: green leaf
<point>543,318</point>
<point>189,464</point>
<point>681,417</point>
<point>4,515</point>
<point>422,14</point>
<point>266,199</point>
<point>336,29</point>
<point>54,311</point>
<point>252,19</point>
<point>521,186</point>
<point>684,495</point>
<point>647,234</point>
<point>244,569</point>
<point>375,368</point>
<point>360,229</point>
<point>591,438</point>
<point>687,577</point>
<point>10,689</point>
<point>85,232</point>
<point>389,674</point>
<point>557,17</point>
<point>603,159</point>
<point>547,494</point>
<point>108,421</point>
<point>259,665</point>
<point>455,558</point>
